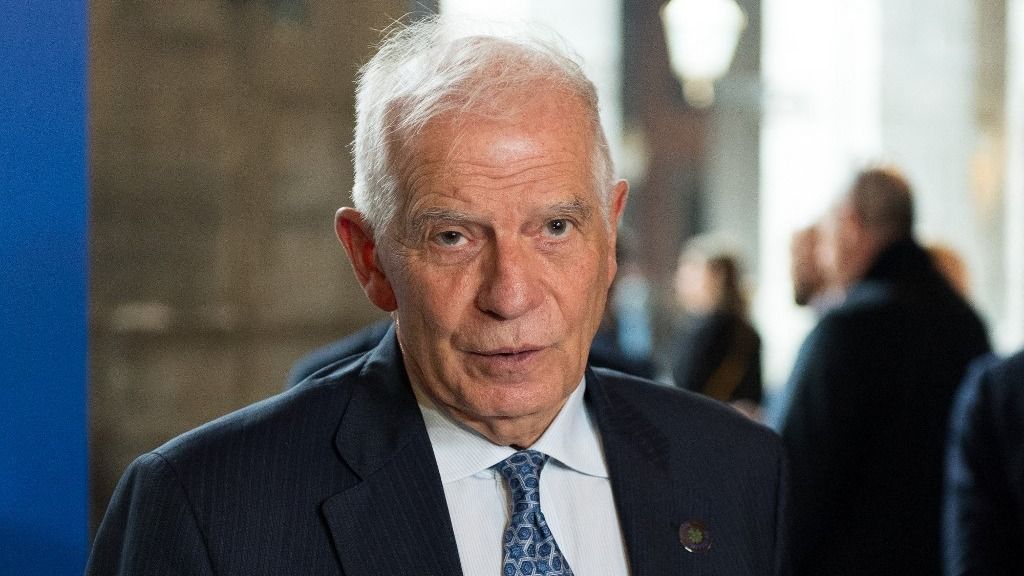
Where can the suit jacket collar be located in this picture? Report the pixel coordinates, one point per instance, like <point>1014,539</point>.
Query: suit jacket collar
<point>394,520</point>
<point>637,453</point>
<point>382,417</point>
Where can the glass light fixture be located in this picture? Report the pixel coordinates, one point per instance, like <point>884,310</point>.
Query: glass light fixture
<point>702,36</point>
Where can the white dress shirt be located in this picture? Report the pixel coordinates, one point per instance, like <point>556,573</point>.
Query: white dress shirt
<point>575,494</point>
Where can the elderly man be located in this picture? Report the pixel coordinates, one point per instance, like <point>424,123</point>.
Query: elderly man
<point>872,390</point>
<point>474,439</point>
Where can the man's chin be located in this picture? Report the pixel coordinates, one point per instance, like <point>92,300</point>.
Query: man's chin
<point>504,401</point>
<point>511,423</point>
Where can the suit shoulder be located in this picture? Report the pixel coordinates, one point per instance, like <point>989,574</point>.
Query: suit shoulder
<point>847,333</point>
<point>882,319</point>
<point>290,418</point>
<point>1001,384</point>
<point>1010,371</point>
<point>684,413</point>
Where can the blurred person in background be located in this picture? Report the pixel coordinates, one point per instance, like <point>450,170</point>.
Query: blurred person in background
<point>814,289</point>
<point>983,520</point>
<point>812,286</point>
<point>871,393</point>
<point>717,350</point>
<point>339,351</point>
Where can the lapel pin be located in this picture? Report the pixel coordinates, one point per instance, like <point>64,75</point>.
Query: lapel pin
<point>694,536</point>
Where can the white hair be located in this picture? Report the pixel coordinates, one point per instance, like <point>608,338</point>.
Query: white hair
<point>436,66</point>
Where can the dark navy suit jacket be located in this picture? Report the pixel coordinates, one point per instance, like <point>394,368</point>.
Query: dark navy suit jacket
<point>984,506</point>
<point>337,476</point>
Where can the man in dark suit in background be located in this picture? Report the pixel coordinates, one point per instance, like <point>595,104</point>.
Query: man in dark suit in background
<point>872,389</point>
<point>984,507</point>
<point>485,223</point>
<point>356,343</point>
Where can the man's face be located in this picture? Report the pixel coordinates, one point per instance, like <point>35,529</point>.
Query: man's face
<point>500,261</point>
<point>844,245</point>
<point>805,269</point>
<point>696,286</point>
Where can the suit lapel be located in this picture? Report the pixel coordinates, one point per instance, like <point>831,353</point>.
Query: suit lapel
<point>394,520</point>
<point>646,498</point>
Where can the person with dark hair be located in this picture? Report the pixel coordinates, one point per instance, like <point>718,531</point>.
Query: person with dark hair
<point>983,528</point>
<point>474,438</point>
<point>717,350</point>
<point>871,394</point>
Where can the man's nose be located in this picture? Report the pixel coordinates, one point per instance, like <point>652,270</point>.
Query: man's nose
<point>510,287</point>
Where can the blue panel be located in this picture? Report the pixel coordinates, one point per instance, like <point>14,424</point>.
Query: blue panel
<point>43,258</point>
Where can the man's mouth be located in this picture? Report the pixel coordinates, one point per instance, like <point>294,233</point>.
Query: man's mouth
<point>508,357</point>
<point>509,352</point>
<point>510,349</point>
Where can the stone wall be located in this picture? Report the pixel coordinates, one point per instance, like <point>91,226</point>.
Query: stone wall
<point>219,134</point>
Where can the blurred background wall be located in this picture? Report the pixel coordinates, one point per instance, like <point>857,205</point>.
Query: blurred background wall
<point>219,133</point>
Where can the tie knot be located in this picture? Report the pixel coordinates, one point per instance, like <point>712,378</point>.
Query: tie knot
<point>522,474</point>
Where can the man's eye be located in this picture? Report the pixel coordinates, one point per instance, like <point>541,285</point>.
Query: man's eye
<point>558,227</point>
<point>450,238</point>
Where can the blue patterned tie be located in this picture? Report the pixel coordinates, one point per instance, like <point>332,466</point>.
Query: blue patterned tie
<point>530,546</point>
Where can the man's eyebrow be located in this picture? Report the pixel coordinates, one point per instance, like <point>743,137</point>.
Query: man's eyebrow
<point>575,208</point>
<point>437,214</point>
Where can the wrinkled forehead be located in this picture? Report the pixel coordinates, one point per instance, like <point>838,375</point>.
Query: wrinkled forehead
<point>554,124</point>
<point>485,75</point>
<point>495,102</point>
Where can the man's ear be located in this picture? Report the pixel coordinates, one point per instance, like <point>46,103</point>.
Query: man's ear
<point>357,238</point>
<point>618,201</point>
<point>616,206</point>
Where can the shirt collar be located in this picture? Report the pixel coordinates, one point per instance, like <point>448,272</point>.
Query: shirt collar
<point>572,440</point>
